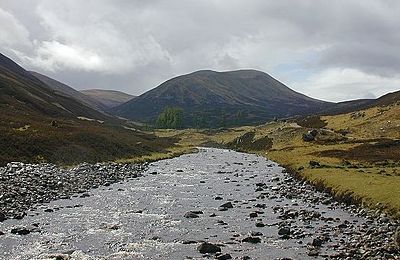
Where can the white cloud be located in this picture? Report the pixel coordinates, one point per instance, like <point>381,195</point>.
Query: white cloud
<point>12,32</point>
<point>54,55</point>
<point>346,84</point>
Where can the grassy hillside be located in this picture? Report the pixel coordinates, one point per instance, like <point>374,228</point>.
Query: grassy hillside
<point>40,124</point>
<point>35,138</point>
<point>65,90</point>
<point>356,155</point>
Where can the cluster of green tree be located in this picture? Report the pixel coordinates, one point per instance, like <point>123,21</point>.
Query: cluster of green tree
<point>170,118</point>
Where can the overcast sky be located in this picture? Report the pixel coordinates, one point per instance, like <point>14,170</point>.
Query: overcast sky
<point>332,50</point>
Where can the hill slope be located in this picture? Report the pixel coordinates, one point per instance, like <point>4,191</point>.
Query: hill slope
<point>108,98</point>
<point>39,124</point>
<point>21,91</point>
<point>63,89</point>
<point>212,98</point>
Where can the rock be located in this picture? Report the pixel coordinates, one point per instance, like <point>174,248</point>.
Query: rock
<point>208,248</point>
<point>256,234</point>
<point>253,215</point>
<point>313,252</point>
<point>2,217</point>
<point>218,198</point>
<point>1,233</point>
<point>317,242</point>
<point>191,214</point>
<point>253,240</point>
<point>20,231</point>
<point>314,164</point>
<point>284,231</point>
<point>224,257</point>
<point>313,132</point>
<point>227,205</point>
<point>59,257</point>
<point>342,226</point>
<point>308,137</point>
<point>188,242</point>
<point>260,224</point>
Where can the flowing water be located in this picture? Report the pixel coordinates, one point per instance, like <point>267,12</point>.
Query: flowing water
<point>144,218</point>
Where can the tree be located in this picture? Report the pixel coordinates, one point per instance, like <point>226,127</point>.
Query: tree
<point>239,117</point>
<point>222,120</point>
<point>171,117</point>
<point>200,120</point>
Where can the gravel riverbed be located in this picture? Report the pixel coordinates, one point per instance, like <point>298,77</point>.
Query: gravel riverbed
<point>213,204</point>
<point>22,186</point>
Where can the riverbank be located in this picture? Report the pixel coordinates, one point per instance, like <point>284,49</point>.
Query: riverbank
<point>356,156</point>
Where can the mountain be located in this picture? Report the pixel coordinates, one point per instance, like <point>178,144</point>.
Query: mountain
<point>108,98</point>
<point>212,99</point>
<point>65,90</point>
<point>20,91</point>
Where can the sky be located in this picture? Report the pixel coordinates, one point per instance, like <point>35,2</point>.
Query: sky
<point>332,50</point>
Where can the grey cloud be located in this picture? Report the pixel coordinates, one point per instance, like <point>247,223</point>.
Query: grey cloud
<point>135,45</point>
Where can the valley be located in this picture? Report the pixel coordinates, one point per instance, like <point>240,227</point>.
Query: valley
<point>300,178</point>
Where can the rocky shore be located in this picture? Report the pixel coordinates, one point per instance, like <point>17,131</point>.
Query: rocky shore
<point>377,238</point>
<point>22,186</point>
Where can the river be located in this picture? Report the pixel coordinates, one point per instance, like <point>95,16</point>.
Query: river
<point>144,218</point>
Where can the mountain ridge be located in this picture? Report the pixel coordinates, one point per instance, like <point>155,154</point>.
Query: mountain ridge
<point>108,98</point>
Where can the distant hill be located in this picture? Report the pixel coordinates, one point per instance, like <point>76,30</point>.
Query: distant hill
<point>108,98</point>
<point>355,105</point>
<point>387,99</point>
<point>212,99</point>
<point>63,89</point>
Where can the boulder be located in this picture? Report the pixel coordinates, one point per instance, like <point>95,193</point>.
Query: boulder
<point>285,231</point>
<point>2,217</point>
<point>223,257</point>
<point>191,214</point>
<point>253,240</point>
<point>208,248</point>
